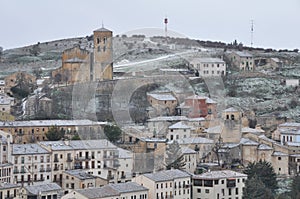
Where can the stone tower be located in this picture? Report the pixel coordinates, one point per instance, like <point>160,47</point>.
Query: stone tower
<point>232,118</point>
<point>101,66</point>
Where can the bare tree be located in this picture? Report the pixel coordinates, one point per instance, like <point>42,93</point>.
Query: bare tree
<point>217,147</point>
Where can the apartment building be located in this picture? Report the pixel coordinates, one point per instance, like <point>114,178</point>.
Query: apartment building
<point>164,104</point>
<point>6,166</point>
<point>158,126</point>
<point>111,191</point>
<point>196,106</point>
<point>179,131</point>
<point>41,191</point>
<point>80,179</point>
<point>219,184</point>
<point>202,146</point>
<point>9,190</point>
<point>209,67</point>
<point>98,157</point>
<point>166,184</point>
<point>190,159</point>
<point>31,163</point>
<point>35,130</point>
<point>242,60</point>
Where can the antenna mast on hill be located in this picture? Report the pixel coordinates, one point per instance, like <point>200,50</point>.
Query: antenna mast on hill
<point>252,31</point>
<point>166,28</point>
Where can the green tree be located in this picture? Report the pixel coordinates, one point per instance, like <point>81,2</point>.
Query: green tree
<point>54,133</point>
<point>75,137</point>
<point>112,132</point>
<point>174,157</point>
<point>23,86</point>
<point>256,189</point>
<point>295,192</point>
<point>35,50</point>
<point>264,172</point>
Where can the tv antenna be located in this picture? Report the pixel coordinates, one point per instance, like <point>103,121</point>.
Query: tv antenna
<point>252,31</point>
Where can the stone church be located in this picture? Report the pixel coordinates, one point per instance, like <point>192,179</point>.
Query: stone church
<point>80,65</point>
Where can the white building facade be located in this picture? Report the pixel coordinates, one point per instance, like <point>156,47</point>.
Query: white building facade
<point>219,184</point>
<point>209,67</point>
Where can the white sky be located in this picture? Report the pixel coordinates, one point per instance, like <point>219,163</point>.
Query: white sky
<point>276,22</point>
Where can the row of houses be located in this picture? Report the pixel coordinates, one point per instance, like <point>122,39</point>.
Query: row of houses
<point>171,184</point>
<point>237,142</point>
<point>175,184</point>
<point>51,161</point>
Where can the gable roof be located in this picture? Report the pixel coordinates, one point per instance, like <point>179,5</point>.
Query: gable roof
<point>40,188</point>
<point>111,190</point>
<point>167,175</point>
<point>179,125</point>
<point>162,97</point>
<point>219,175</point>
<point>102,29</point>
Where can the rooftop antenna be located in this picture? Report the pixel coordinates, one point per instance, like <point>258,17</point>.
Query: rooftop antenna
<point>166,26</point>
<point>102,24</point>
<point>252,31</point>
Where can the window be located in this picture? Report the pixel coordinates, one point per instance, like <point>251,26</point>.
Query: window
<point>236,191</point>
<point>222,181</point>
<point>199,190</point>
<point>206,190</point>
<point>279,158</point>
<point>229,192</point>
<point>104,48</point>
<point>197,182</point>
<point>208,183</point>
<point>216,181</point>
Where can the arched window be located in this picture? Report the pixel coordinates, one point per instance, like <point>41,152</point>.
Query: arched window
<point>232,117</point>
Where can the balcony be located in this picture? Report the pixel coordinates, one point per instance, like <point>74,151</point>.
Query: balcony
<point>48,170</point>
<point>116,155</point>
<point>80,158</point>
<point>23,171</point>
<point>42,170</point>
<point>10,196</point>
<point>110,177</point>
<point>88,157</point>
<point>38,180</point>
<point>123,176</point>
<point>16,171</point>
<point>77,167</point>
<point>69,159</point>
<point>56,168</point>
<point>55,159</point>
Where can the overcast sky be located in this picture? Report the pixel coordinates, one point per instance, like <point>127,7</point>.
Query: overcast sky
<point>276,22</point>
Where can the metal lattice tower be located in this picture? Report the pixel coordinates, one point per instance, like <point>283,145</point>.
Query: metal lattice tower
<point>252,31</point>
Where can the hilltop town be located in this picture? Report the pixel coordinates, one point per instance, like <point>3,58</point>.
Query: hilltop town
<point>130,116</point>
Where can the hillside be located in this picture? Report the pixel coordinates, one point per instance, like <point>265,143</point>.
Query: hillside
<point>262,92</point>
